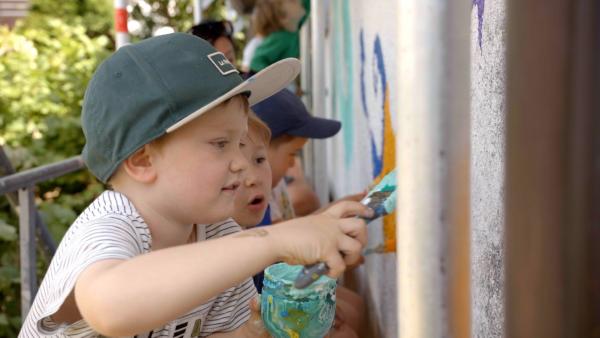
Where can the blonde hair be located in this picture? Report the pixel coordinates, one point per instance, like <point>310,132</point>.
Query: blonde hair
<point>267,15</point>
<point>258,126</point>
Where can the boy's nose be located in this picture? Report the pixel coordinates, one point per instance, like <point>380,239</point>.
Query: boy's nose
<point>250,180</point>
<point>239,162</point>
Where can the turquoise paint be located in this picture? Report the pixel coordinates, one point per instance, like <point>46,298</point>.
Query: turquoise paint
<point>388,183</point>
<point>288,312</point>
<point>343,89</point>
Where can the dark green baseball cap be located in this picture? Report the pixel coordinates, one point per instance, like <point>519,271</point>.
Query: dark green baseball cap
<point>147,89</point>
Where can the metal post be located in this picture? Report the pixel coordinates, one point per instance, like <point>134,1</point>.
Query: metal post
<point>553,175</point>
<point>306,91</point>
<point>121,30</point>
<point>33,176</point>
<point>6,168</point>
<point>197,11</point>
<point>319,165</point>
<point>27,249</point>
<point>305,70</point>
<point>433,163</point>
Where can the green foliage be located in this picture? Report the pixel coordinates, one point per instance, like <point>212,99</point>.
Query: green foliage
<point>46,62</point>
<point>95,15</point>
<point>44,71</point>
<point>178,14</point>
<point>45,66</point>
<point>152,14</point>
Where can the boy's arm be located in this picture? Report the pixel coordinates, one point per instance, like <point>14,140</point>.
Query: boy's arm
<point>119,298</point>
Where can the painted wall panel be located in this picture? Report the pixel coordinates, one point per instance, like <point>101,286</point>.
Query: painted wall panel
<point>361,48</point>
<point>361,54</point>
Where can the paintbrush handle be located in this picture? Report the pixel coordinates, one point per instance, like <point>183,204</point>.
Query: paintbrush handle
<point>309,274</point>
<point>312,272</point>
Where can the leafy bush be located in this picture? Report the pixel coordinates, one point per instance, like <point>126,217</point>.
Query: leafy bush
<point>44,69</point>
<point>46,62</point>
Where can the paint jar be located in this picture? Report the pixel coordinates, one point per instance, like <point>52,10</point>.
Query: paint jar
<point>288,312</point>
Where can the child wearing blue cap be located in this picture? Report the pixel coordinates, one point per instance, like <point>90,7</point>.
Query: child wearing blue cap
<point>291,126</point>
<point>163,120</point>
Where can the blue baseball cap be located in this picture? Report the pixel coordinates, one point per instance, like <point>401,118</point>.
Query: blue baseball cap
<point>285,113</point>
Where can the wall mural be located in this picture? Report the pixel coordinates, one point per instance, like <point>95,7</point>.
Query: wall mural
<point>480,4</point>
<point>375,102</point>
<point>343,93</point>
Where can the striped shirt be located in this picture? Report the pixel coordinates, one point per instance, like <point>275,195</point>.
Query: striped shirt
<point>111,228</point>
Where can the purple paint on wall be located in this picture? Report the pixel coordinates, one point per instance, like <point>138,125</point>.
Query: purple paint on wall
<point>480,5</point>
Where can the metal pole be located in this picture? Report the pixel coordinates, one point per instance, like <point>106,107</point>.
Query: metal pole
<point>553,171</point>
<point>319,172</point>
<point>27,249</point>
<point>6,168</point>
<point>306,91</point>
<point>197,11</point>
<point>433,163</point>
<point>33,176</point>
<point>121,30</point>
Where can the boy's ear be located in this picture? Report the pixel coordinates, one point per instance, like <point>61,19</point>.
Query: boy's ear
<point>139,165</point>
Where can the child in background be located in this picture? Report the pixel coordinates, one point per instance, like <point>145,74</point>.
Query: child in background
<point>277,22</point>
<point>219,34</point>
<point>252,196</point>
<point>291,126</point>
<point>163,120</point>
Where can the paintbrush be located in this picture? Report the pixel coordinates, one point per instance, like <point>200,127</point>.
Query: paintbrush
<point>382,199</point>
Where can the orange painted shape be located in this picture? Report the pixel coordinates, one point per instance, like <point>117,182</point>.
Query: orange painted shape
<point>389,163</point>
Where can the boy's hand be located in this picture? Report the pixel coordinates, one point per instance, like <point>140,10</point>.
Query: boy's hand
<point>354,197</point>
<point>335,237</point>
<point>253,328</point>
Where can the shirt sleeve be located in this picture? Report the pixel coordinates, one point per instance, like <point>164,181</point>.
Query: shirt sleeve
<point>109,237</point>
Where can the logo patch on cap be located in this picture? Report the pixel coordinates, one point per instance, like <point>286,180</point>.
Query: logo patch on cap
<point>222,64</point>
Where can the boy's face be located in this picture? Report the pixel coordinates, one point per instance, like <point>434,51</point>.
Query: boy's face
<point>224,45</point>
<point>293,14</point>
<point>199,166</point>
<point>282,156</point>
<point>253,195</point>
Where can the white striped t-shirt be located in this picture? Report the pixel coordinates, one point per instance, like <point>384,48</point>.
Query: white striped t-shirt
<point>111,228</point>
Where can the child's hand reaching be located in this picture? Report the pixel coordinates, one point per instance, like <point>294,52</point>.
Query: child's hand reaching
<point>253,328</point>
<point>354,197</point>
<point>335,237</point>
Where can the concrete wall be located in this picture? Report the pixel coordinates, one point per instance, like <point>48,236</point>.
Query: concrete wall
<point>361,54</point>
<point>488,46</point>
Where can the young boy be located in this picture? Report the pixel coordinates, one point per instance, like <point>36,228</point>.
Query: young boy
<point>252,197</point>
<point>291,126</point>
<point>163,120</point>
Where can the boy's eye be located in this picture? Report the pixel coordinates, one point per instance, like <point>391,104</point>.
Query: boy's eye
<point>220,144</point>
<point>260,160</point>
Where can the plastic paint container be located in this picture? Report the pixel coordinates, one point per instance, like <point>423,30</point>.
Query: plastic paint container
<point>288,312</point>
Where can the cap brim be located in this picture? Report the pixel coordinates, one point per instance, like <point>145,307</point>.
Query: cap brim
<point>316,127</point>
<point>260,86</point>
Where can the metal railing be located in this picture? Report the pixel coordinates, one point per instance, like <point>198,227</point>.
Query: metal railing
<point>19,189</point>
